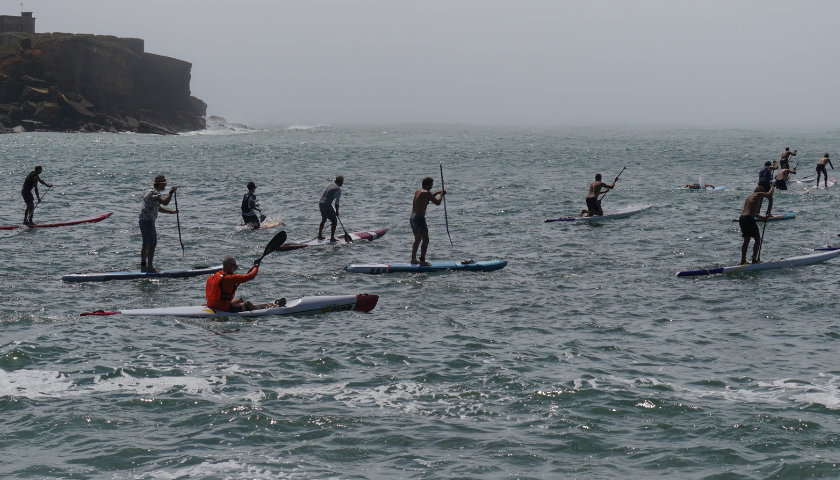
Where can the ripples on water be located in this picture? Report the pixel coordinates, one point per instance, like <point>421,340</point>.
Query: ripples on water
<point>584,358</point>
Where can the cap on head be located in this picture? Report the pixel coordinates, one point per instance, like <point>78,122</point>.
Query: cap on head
<point>251,186</point>
<point>160,179</point>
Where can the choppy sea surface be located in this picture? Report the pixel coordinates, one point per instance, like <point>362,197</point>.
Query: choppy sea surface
<point>584,358</point>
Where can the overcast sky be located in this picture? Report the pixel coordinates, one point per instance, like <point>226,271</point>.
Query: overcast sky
<point>727,63</point>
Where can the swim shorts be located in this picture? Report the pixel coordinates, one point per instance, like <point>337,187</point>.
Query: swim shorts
<point>148,232</point>
<point>748,226</point>
<point>418,224</point>
<point>327,212</point>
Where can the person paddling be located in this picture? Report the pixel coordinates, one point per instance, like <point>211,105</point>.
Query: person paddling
<point>220,288</point>
<point>331,194</point>
<point>784,160</point>
<point>420,202</point>
<point>32,180</point>
<point>765,176</point>
<point>749,228</point>
<point>821,169</point>
<point>153,203</point>
<point>250,206</point>
<point>782,177</point>
<point>593,206</point>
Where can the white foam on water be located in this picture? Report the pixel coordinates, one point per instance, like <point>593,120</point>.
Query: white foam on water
<point>34,383</point>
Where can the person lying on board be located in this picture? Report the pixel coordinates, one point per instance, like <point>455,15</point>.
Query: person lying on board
<point>220,288</point>
<point>250,206</point>
<point>593,205</point>
<point>153,203</point>
<point>331,194</point>
<point>697,186</point>
<point>765,176</point>
<point>32,180</point>
<point>422,197</point>
<point>784,160</point>
<point>782,178</point>
<point>749,228</point>
<point>821,169</point>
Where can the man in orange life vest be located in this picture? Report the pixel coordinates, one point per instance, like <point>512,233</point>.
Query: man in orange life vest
<point>221,288</point>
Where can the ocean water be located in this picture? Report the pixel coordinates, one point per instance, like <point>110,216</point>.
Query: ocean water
<point>584,358</point>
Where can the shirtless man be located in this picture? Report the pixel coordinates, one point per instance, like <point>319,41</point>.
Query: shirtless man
<point>784,160</point>
<point>749,228</point>
<point>422,197</point>
<point>31,182</point>
<point>593,205</point>
<point>782,177</point>
<point>821,169</point>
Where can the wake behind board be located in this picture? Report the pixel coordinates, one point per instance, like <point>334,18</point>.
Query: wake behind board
<point>60,224</point>
<point>102,277</point>
<point>369,235</point>
<point>775,217</point>
<point>469,266</point>
<point>628,212</point>
<point>299,305</point>
<point>800,260</point>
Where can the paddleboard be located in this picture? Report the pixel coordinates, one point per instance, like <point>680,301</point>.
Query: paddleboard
<point>133,275</point>
<point>272,224</point>
<point>775,217</point>
<point>468,265</point>
<point>299,305</point>
<point>809,259</point>
<point>607,216</point>
<point>719,187</point>
<point>369,235</point>
<point>60,224</point>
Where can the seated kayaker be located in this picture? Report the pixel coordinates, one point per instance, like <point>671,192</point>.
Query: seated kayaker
<point>221,288</point>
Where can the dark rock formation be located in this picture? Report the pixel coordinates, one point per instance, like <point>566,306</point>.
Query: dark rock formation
<point>89,83</point>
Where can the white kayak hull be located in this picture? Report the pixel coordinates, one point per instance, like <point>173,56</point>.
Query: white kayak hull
<point>298,305</point>
<point>809,259</point>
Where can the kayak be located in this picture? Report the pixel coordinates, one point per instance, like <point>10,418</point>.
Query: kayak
<point>467,265</point>
<point>369,235</point>
<point>607,216</point>
<point>129,275</point>
<point>774,217</point>
<point>60,224</point>
<point>314,304</point>
<point>809,259</point>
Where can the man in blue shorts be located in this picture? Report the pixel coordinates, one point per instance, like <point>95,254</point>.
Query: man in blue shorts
<point>422,197</point>
<point>153,203</point>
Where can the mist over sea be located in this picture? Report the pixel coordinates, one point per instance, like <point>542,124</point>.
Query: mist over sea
<point>584,358</point>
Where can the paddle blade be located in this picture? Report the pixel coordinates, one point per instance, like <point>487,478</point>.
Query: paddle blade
<point>275,242</point>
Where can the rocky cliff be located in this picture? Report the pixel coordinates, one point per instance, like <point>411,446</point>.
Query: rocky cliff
<point>89,83</point>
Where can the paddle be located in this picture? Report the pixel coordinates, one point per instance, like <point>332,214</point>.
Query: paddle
<point>42,196</point>
<point>275,242</point>
<point>608,191</point>
<point>178,219</point>
<point>445,214</point>
<point>764,228</point>
<point>346,235</point>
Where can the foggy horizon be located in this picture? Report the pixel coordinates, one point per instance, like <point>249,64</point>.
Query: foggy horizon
<point>538,64</point>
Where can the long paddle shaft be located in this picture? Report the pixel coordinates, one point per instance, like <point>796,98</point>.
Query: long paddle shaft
<point>445,214</point>
<point>346,235</point>
<point>42,196</point>
<point>764,228</point>
<point>178,219</point>
<point>608,191</point>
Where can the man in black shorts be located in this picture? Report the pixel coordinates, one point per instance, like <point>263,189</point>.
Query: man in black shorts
<point>749,228</point>
<point>593,205</point>
<point>32,181</point>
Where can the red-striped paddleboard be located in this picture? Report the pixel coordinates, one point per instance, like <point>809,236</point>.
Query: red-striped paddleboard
<point>60,224</point>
